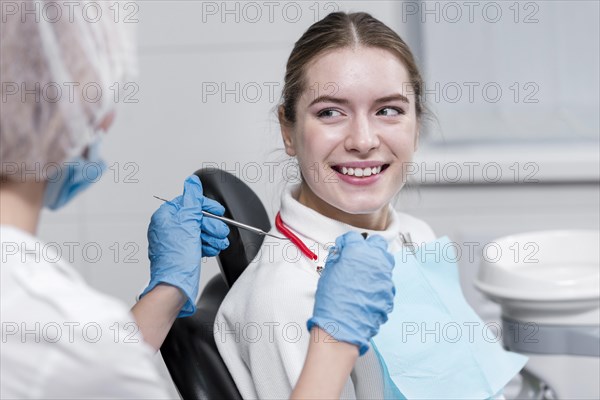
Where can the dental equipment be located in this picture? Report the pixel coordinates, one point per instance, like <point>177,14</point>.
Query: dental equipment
<point>236,224</point>
<point>549,297</point>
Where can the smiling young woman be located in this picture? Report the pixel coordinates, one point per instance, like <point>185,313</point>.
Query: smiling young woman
<point>350,114</point>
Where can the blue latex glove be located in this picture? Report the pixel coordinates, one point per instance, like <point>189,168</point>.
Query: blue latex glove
<point>178,237</point>
<point>355,292</point>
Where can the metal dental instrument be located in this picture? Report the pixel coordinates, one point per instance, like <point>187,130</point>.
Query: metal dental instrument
<point>235,223</point>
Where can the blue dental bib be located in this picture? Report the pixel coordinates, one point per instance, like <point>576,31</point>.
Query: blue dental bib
<point>434,346</point>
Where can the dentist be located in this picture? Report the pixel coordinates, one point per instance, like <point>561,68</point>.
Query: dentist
<point>60,337</point>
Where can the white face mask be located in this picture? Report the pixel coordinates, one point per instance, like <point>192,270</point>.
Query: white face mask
<point>75,176</point>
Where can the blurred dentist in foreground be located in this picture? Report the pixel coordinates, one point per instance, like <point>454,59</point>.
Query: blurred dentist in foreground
<point>60,337</point>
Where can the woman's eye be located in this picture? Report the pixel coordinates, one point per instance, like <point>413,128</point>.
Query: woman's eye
<point>390,111</point>
<point>328,113</point>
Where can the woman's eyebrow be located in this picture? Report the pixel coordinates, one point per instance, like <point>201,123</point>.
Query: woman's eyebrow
<point>393,97</point>
<point>329,99</point>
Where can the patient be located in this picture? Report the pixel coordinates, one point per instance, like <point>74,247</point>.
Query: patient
<point>351,112</point>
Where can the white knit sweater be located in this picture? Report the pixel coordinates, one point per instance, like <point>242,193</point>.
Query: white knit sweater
<point>260,329</point>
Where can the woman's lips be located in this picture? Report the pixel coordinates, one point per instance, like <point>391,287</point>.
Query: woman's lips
<point>360,173</point>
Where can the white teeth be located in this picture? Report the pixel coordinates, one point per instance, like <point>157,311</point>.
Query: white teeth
<point>360,172</point>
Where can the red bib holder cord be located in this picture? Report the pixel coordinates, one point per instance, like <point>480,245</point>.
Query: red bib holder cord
<point>293,238</point>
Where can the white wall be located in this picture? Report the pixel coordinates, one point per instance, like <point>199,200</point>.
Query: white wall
<point>177,127</point>
<point>513,71</point>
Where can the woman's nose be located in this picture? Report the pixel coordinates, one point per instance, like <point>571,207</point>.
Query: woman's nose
<point>362,136</point>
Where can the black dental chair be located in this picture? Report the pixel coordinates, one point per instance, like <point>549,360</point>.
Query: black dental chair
<point>189,351</point>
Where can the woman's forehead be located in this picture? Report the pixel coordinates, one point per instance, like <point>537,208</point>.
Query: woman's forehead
<point>356,71</point>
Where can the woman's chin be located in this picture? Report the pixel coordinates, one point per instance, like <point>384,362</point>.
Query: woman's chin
<point>347,207</point>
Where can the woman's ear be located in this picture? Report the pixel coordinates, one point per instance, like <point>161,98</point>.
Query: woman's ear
<point>286,133</point>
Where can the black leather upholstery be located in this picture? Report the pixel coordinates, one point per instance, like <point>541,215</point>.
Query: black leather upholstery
<point>190,353</point>
<point>189,350</point>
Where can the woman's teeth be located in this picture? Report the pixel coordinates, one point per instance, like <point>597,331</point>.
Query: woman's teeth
<point>360,172</point>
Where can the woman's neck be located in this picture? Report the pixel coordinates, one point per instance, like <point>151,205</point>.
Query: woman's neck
<point>376,221</point>
<point>21,203</point>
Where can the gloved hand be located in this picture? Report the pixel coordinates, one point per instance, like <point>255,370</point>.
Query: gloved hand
<point>355,292</point>
<point>179,235</point>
